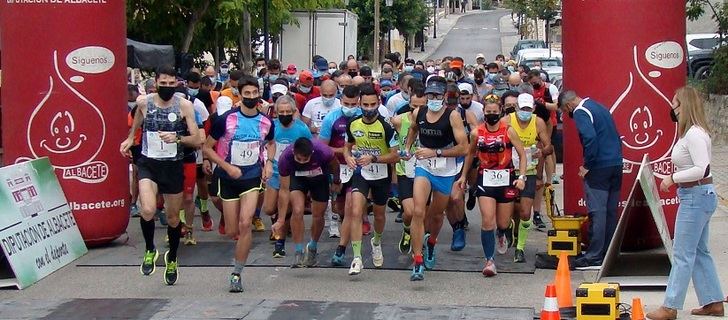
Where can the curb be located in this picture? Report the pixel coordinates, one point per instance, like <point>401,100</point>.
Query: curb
<point>427,55</point>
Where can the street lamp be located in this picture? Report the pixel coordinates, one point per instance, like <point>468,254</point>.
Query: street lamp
<point>434,19</point>
<point>389,4</point>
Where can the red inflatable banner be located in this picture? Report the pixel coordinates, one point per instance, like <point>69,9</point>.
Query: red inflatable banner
<point>630,57</point>
<point>64,95</point>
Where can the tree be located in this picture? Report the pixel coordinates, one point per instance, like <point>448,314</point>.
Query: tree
<point>407,16</point>
<point>694,9</point>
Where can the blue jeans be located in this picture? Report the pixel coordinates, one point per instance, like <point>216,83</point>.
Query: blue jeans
<point>691,256</point>
<point>602,188</point>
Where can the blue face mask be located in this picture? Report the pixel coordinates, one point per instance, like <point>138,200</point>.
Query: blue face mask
<point>272,77</point>
<point>491,77</point>
<point>409,68</point>
<point>434,105</point>
<point>349,112</point>
<point>524,115</point>
<point>193,92</point>
<point>328,102</point>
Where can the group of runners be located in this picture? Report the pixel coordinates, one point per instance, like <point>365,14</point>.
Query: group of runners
<point>422,143</point>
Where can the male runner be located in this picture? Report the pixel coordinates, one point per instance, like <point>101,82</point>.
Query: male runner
<point>305,167</point>
<point>239,137</point>
<point>163,118</point>
<point>371,146</point>
<point>442,139</point>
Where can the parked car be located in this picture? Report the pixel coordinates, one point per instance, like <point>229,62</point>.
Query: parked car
<point>540,53</point>
<point>546,63</point>
<point>700,63</point>
<point>526,44</point>
<point>701,41</point>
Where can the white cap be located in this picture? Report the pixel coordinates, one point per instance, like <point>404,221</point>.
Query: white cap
<point>278,88</point>
<point>224,104</point>
<point>480,55</point>
<point>465,87</point>
<point>525,100</point>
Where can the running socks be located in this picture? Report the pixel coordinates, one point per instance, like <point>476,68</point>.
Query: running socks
<point>203,205</point>
<point>174,235</point>
<point>313,245</point>
<point>340,250</point>
<point>257,212</point>
<point>299,247</point>
<point>377,238</point>
<point>393,190</point>
<point>182,216</point>
<point>238,267</point>
<point>148,232</point>
<point>431,241</point>
<point>523,228</point>
<point>356,247</point>
<point>281,242</point>
<point>418,259</point>
<point>487,239</point>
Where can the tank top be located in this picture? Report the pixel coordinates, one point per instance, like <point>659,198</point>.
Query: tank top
<point>158,119</point>
<point>402,166</point>
<point>436,135</point>
<point>529,137</point>
<point>494,148</point>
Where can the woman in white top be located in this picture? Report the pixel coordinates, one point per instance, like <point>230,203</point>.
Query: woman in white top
<point>691,257</point>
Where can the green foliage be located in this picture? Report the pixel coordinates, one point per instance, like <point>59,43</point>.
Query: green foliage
<point>717,82</point>
<point>407,16</point>
<point>694,9</point>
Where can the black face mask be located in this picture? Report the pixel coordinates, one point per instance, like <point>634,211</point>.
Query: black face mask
<point>452,101</point>
<point>285,119</point>
<point>479,81</point>
<point>353,73</point>
<point>536,86</point>
<point>510,110</point>
<point>166,93</point>
<point>674,116</point>
<point>250,103</point>
<point>466,106</point>
<point>492,118</point>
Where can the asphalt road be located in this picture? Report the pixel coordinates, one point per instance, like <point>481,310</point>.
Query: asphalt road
<point>473,34</point>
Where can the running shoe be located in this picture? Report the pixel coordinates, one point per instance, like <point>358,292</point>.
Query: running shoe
<point>189,238</point>
<point>393,203</point>
<point>519,257</point>
<point>471,199</point>
<point>171,273</point>
<point>489,269</point>
<point>134,210</point>
<point>298,260</point>
<point>309,257</point>
<point>334,227</point>
<point>405,244</point>
<point>221,226</point>
<point>206,221</point>
<point>366,228</point>
<point>149,261</point>
<point>356,266</point>
<point>418,273</point>
<point>458,239</point>
<point>398,219</point>
<point>502,244</point>
<point>377,256</point>
<point>162,216</point>
<point>537,221</point>
<point>555,179</point>
<point>279,251</point>
<point>236,283</point>
<point>337,260</point>
<point>258,225</point>
<point>429,254</point>
<point>511,233</point>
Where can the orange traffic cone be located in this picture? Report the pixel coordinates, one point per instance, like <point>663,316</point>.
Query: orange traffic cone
<point>550,309</point>
<point>637,312</point>
<point>563,283</point>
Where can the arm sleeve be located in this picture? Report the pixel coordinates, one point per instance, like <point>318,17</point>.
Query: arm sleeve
<point>698,147</point>
<point>588,136</point>
<point>218,127</point>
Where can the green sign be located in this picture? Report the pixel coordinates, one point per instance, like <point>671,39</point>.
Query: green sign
<point>38,233</point>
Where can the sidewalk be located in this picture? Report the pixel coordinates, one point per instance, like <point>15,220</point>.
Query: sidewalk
<point>510,40</point>
<point>444,25</point>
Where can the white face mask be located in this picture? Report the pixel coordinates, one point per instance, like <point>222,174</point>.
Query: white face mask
<point>332,70</point>
<point>431,69</point>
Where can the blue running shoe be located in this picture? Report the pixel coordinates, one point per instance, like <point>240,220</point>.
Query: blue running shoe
<point>458,239</point>
<point>337,260</point>
<point>162,216</point>
<point>429,254</point>
<point>418,273</point>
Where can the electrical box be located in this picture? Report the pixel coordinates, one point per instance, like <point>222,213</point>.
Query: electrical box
<point>597,301</point>
<point>559,241</point>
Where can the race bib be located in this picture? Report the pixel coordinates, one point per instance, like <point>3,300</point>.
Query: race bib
<point>345,173</point>
<point>439,166</point>
<point>496,178</point>
<point>409,167</point>
<point>279,149</point>
<point>244,153</point>
<point>158,149</point>
<point>374,171</point>
<point>309,173</point>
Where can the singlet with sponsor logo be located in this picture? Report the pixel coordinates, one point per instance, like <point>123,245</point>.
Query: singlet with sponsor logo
<point>241,141</point>
<point>371,138</point>
<point>494,148</point>
<point>528,136</point>
<point>437,135</point>
<point>168,119</point>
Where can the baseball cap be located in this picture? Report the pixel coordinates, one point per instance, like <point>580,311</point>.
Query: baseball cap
<point>321,64</point>
<point>409,60</point>
<point>479,56</point>
<point>436,85</point>
<point>365,71</point>
<point>278,88</point>
<point>456,64</point>
<point>224,104</point>
<point>525,100</point>
<point>291,69</point>
<point>465,88</point>
<point>385,83</point>
<point>305,78</point>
